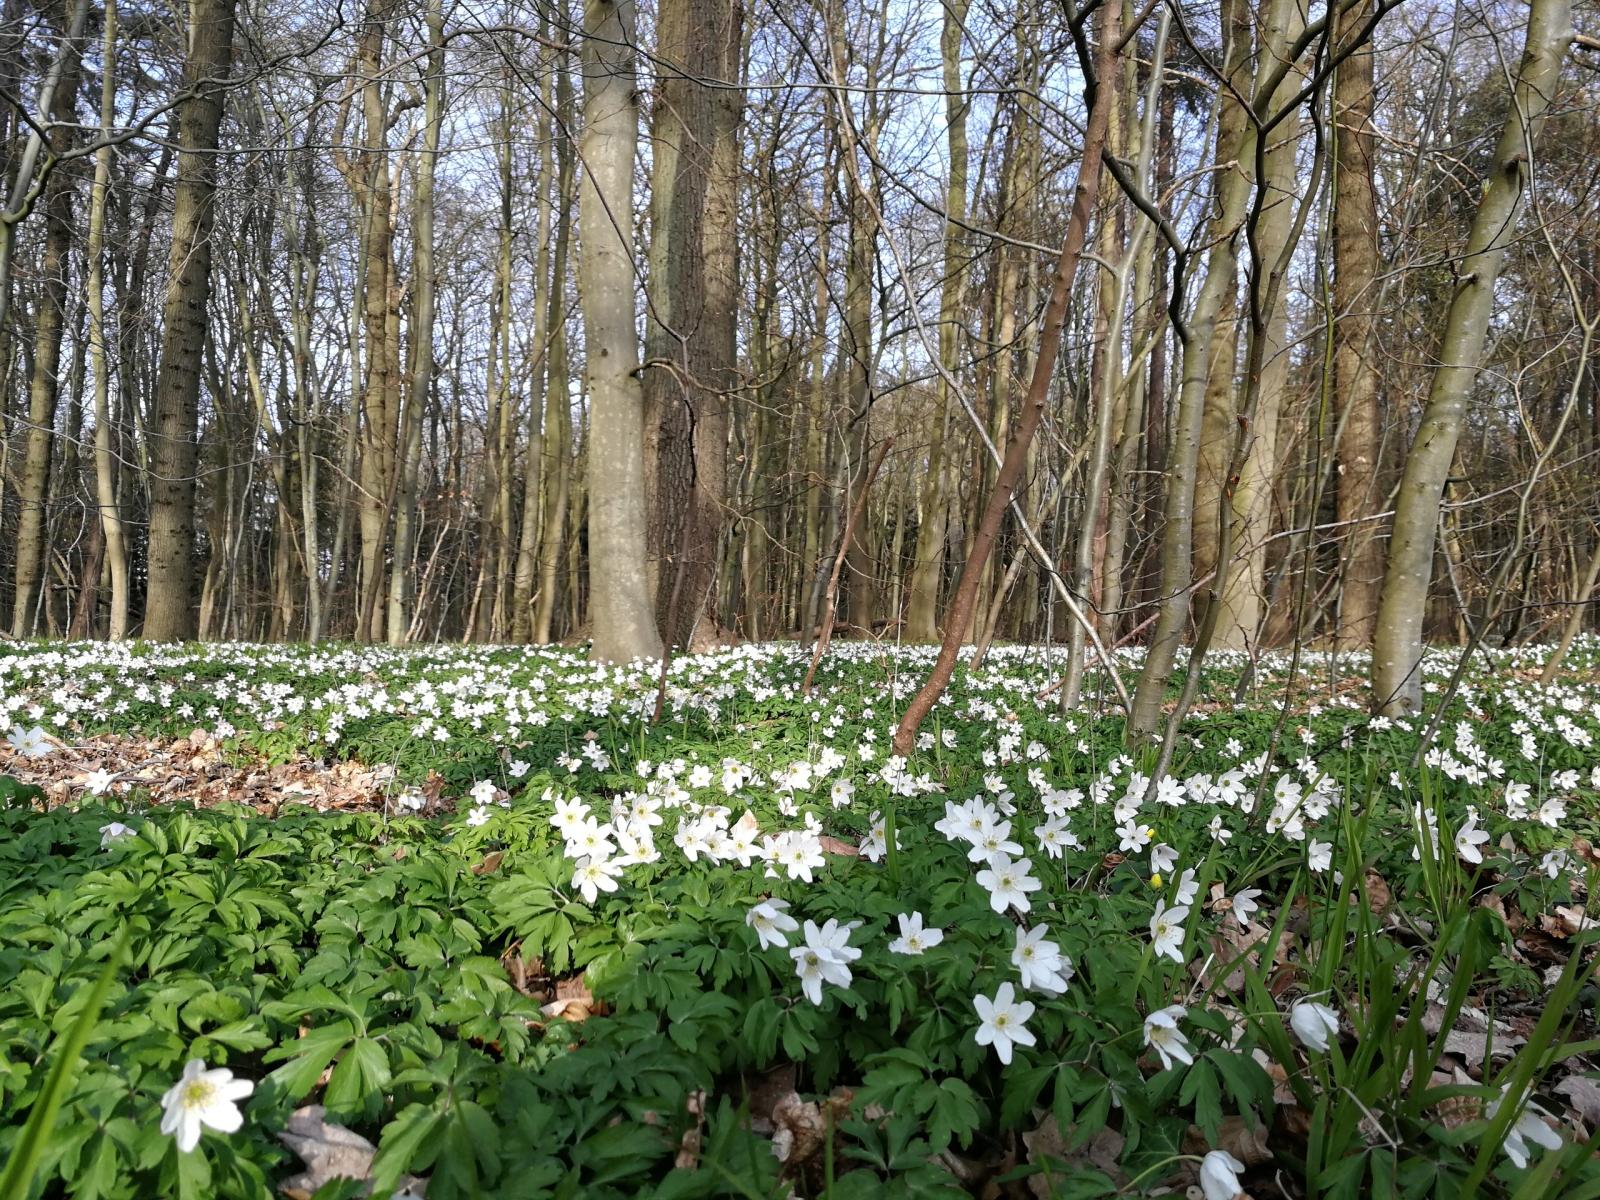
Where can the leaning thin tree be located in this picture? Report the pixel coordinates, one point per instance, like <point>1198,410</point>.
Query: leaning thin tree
<point>1086,192</point>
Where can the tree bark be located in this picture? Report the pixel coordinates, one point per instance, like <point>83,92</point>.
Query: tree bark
<point>624,624</point>
<point>115,545</point>
<point>1397,644</point>
<point>169,603</point>
<point>424,286</point>
<point>690,340</point>
<point>932,529</point>
<point>49,326</point>
<point>959,617</point>
<point>1355,371</point>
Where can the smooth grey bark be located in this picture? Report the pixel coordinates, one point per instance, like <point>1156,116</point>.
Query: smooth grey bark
<point>401,585</point>
<point>1397,643</point>
<point>624,624</point>
<point>116,553</point>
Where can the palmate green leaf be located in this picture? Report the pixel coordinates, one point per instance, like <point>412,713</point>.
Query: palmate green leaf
<point>955,1114</point>
<point>17,1177</point>
<point>16,794</point>
<point>308,1057</point>
<point>1246,1083</point>
<point>359,1080</point>
<point>1200,1089</point>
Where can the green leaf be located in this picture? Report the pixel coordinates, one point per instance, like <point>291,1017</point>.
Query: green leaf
<point>21,1163</point>
<point>955,1114</point>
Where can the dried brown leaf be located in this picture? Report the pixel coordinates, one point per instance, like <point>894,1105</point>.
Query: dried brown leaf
<point>330,1152</point>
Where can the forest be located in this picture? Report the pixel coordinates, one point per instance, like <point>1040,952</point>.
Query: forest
<point>799,599</point>
<point>515,324</point>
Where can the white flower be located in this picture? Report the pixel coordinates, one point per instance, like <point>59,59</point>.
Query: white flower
<point>1219,1175</point>
<point>98,782</point>
<point>1244,904</point>
<point>30,743</point>
<point>835,938</point>
<point>1133,837</point>
<point>114,832</point>
<point>1003,1021</point>
<point>1529,1126</point>
<point>1313,1023</point>
<point>1166,931</point>
<point>914,937</point>
<point>1161,1034</point>
<point>516,768</point>
<point>1469,837</point>
<point>1321,855</point>
<point>1054,836</point>
<point>1188,888</point>
<point>841,791</point>
<point>1040,962</point>
<point>478,816</point>
<point>995,839</point>
<point>771,923</point>
<point>595,875</point>
<point>483,791</point>
<point>1008,883</point>
<point>202,1097</point>
<point>1162,859</point>
<point>569,814</point>
<point>823,959</point>
<point>589,838</point>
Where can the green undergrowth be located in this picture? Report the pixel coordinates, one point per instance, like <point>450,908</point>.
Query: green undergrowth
<point>407,973</point>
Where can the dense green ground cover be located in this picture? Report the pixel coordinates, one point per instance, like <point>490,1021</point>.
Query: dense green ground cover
<point>551,966</point>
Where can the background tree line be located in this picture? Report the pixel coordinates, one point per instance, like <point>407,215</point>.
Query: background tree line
<point>1223,325</point>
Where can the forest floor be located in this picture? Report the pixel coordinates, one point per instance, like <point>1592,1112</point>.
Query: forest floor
<point>467,921</point>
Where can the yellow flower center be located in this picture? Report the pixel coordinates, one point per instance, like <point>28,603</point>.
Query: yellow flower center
<point>198,1094</point>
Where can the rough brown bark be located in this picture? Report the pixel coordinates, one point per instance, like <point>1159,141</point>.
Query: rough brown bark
<point>690,344</point>
<point>1355,372</point>
<point>49,321</point>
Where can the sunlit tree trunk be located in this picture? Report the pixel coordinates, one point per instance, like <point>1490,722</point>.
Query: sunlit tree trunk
<point>557,472</point>
<point>623,617</point>
<point>1213,300</point>
<point>526,572</point>
<point>928,569</point>
<point>401,584</point>
<point>105,463</point>
<point>1397,643</point>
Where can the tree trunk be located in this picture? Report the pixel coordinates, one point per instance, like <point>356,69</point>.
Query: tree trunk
<point>401,584</point>
<point>1183,450</point>
<point>928,568</point>
<point>169,603</point>
<point>115,545</point>
<point>1397,644</point>
<point>1355,371</point>
<point>690,343</point>
<point>623,617</point>
<point>1085,193</point>
<point>557,472</point>
<point>49,326</point>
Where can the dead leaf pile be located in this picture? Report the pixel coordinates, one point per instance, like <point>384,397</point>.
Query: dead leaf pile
<point>332,1152</point>
<point>198,770</point>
